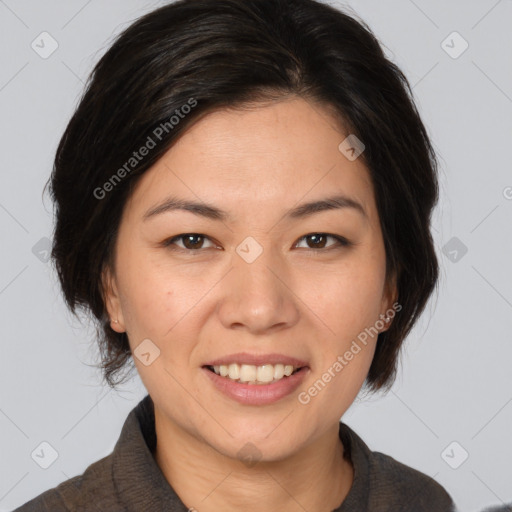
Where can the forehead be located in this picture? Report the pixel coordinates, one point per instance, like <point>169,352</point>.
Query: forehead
<point>264,158</point>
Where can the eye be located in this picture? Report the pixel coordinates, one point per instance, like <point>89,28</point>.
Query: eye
<point>194,242</point>
<point>191,241</point>
<point>319,241</point>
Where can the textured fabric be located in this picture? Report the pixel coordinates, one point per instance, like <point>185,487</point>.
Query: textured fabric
<point>130,480</point>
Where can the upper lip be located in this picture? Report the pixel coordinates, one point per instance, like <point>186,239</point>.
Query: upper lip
<point>256,360</point>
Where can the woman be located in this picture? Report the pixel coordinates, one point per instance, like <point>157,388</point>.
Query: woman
<point>243,201</point>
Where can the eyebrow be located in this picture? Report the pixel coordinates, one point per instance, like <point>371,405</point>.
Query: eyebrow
<point>212,212</point>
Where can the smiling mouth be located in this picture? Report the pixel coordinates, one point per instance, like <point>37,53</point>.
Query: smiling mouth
<point>252,374</point>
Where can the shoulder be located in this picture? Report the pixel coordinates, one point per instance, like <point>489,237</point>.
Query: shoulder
<point>412,486</point>
<point>389,485</point>
<point>128,476</point>
<point>499,508</point>
<point>74,494</point>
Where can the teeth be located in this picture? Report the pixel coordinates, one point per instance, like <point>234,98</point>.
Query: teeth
<point>279,371</point>
<point>265,373</point>
<point>254,374</point>
<point>234,371</point>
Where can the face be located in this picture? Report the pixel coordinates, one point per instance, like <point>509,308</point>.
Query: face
<point>250,276</point>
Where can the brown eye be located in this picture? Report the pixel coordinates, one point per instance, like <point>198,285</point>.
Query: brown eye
<point>193,241</point>
<point>319,241</point>
<point>189,241</point>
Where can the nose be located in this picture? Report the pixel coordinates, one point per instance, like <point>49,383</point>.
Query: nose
<point>257,297</point>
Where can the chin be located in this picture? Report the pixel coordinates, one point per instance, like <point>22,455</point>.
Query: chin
<point>251,452</point>
<point>267,443</point>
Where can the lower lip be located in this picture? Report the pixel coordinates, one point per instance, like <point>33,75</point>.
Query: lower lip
<point>257,394</point>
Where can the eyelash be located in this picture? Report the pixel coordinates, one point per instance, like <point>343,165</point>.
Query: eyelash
<point>342,242</point>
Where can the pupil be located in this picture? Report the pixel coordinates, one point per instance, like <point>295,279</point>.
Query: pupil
<point>316,238</point>
<point>191,245</point>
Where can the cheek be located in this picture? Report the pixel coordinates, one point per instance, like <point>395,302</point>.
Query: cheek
<point>149,298</point>
<point>347,299</point>
<point>335,385</point>
<point>163,304</point>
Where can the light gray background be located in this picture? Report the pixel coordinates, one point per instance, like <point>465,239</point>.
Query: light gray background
<point>456,383</point>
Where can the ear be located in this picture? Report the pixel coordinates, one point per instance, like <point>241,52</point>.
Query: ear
<point>111,299</point>
<point>389,297</point>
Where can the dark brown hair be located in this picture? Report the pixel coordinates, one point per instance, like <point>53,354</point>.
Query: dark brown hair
<point>214,54</point>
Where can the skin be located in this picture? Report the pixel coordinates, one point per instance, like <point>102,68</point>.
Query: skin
<point>209,302</point>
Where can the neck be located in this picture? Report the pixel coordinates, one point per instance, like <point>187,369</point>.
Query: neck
<point>317,477</point>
